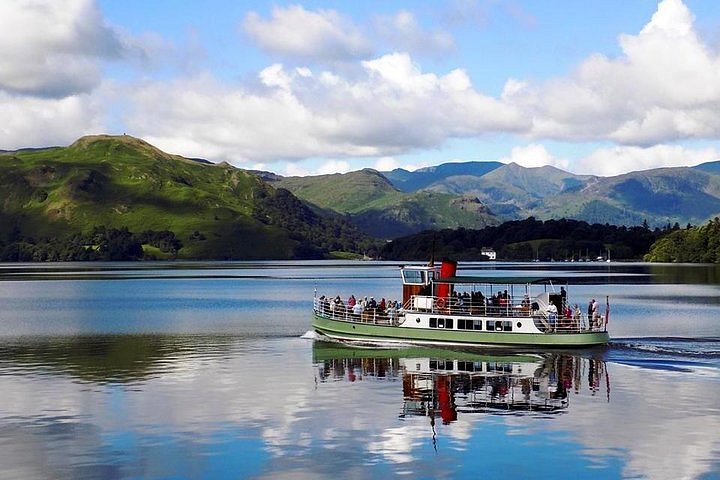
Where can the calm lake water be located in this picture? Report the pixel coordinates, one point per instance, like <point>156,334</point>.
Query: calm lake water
<point>207,370</point>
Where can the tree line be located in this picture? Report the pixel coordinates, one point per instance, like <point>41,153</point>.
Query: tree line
<point>101,243</point>
<point>531,239</point>
<point>699,244</point>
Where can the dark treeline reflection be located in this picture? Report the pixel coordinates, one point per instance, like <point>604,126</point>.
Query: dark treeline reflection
<point>441,384</point>
<point>108,358</point>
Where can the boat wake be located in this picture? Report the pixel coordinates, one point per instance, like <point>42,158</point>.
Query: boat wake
<point>312,335</point>
<point>689,355</point>
<point>687,347</point>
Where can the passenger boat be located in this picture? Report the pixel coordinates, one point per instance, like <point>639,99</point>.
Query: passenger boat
<point>440,308</point>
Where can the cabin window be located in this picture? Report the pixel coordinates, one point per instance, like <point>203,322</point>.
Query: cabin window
<point>469,324</point>
<point>499,326</point>
<point>441,322</point>
<point>441,364</point>
<point>413,277</point>
<point>499,367</point>
<point>469,366</point>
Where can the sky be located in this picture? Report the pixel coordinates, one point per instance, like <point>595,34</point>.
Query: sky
<point>309,87</point>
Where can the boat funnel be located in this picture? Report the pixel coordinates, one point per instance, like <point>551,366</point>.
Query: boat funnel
<point>447,269</point>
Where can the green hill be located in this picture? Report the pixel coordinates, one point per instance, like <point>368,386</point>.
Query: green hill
<point>216,211</point>
<point>370,201</point>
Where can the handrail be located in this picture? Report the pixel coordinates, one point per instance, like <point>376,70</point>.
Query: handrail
<point>545,321</point>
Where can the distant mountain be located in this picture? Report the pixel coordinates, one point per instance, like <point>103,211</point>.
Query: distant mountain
<point>370,201</point>
<point>658,196</point>
<point>217,211</point>
<point>709,167</point>
<point>423,177</point>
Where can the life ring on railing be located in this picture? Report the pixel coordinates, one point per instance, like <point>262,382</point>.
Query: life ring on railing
<point>440,303</point>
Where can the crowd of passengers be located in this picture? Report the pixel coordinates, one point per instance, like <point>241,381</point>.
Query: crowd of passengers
<point>364,308</point>
<point>474,303</point>
<point>500,304</point>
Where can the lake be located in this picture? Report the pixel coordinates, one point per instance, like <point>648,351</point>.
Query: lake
<point>208,370</point>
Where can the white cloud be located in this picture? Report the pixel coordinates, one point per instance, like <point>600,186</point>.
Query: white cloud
<point>622,159</point>
<point>534,155</point>
<point>392,107</point>
<point>333,166</point>
<point>404,33</point>
<point>39,122</point>
<point>294,31</point>
<point>665,86</point>
<point>385,164</point>
<point>53,48</point>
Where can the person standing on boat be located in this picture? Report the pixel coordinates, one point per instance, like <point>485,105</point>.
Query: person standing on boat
<point>357,309</point>
<point>351,301</point>
<point>576,316</point>
<point>552,314</point>
<point>595,315</point>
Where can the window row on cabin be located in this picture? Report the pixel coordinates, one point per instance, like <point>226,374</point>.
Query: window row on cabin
<point>471,324</point>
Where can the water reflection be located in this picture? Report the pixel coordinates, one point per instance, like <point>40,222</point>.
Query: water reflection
<point>442,384</point>
<point>109,358</point>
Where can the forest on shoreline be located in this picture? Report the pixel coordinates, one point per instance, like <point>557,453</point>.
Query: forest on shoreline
<point>521,240</point>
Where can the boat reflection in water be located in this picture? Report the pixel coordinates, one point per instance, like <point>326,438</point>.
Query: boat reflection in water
<point>441,384</point>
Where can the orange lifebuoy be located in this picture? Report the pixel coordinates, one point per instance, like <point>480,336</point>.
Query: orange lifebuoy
<point>440,303</point>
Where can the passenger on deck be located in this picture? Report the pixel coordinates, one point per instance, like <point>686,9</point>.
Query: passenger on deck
<point>595,313</point>
<point>576,316</point>
<point>357,310</point>
<point>351,301</point>
<point>590,311</point>
<point>552,314</point>
<point>525,304</point>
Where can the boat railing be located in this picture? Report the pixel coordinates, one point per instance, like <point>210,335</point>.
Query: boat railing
<point>511,307</point>
<point>340,311</point>
<point>545,321</point>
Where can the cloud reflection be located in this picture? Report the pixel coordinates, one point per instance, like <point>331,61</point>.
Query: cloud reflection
<point>186,404</point>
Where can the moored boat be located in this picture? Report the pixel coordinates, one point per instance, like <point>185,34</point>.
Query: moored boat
<point>441,308</point>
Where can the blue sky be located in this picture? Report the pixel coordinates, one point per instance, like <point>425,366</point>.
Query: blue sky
<point>319,87</point>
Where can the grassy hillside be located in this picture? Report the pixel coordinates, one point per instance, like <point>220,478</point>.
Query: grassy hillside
<point>217,211</point>
<point>370,201</point>
<point>344,193</point>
